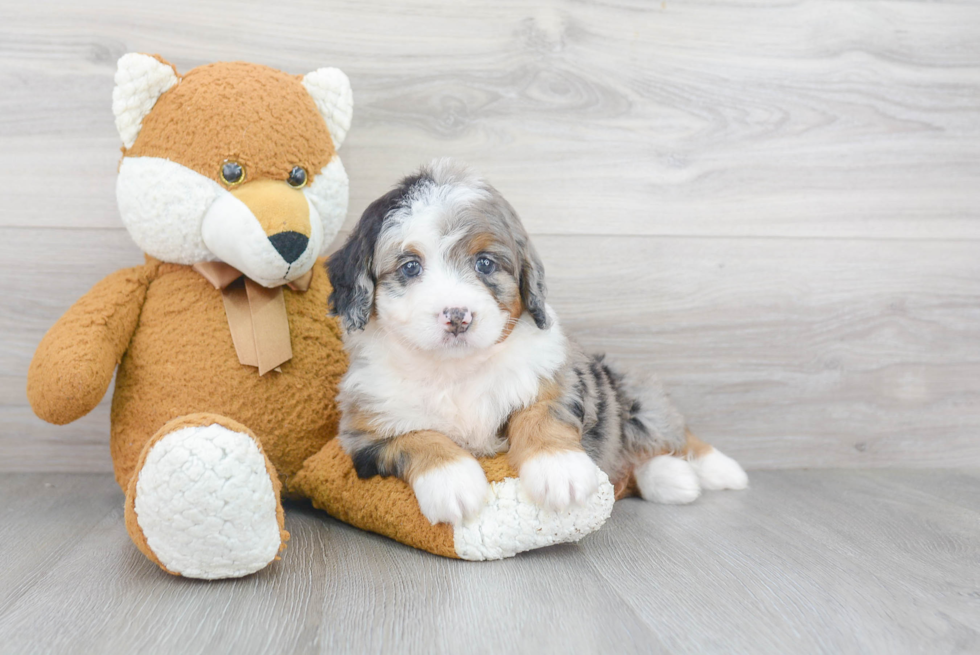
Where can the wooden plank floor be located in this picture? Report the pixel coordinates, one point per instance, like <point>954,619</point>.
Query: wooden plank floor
<point>829,561</point>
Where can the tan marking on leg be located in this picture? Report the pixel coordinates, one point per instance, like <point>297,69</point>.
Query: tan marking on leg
<point>626,486</point>
<point>534,430</point>
<point>423,451</point>
<point>694,448</point>
<point>408,455</point>
<point>549,391</point>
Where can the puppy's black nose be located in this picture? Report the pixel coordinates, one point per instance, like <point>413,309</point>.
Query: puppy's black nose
<point>456,319</point>
<point>291,245</point>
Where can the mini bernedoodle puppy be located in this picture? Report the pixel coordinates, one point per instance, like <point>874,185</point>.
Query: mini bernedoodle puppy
<point>454,353</point>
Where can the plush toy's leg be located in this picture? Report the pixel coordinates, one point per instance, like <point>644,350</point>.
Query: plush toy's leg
<point>679,478</point>
<point>204,500</point>
<point>510,522</point>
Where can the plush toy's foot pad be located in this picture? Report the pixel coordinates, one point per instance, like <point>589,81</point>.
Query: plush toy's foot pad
<point>510,523</point>
<point>206,503</point>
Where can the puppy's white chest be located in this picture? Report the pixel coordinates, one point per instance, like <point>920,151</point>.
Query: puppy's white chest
<point>472,414</point>
<point>468,400</point>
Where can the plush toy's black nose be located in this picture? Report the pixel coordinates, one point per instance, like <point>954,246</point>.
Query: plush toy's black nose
<point>290,245</point>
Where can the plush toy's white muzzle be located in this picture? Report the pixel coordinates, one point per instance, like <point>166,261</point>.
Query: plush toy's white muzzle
<point>255,244</point>
<point>178,215</point>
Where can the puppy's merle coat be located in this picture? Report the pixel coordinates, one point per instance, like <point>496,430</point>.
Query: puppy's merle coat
<point>454,353</point>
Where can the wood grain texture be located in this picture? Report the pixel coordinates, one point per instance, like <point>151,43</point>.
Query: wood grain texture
<point>762,118</point>
<point>803,562</point>
<point>773,203</point>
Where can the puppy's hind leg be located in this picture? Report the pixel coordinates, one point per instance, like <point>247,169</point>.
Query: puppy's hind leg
<point>649,454</point>
<point>667,479</point>
<point>670,464</point>
<point>715,469</point>
<point>678,478</point>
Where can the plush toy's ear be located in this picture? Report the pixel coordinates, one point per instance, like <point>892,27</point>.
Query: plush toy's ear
<point>334,100</point>
<point>140,80</point>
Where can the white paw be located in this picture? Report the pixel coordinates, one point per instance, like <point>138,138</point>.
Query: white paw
<point>558,480</point>
<point>206,505</point>
<point>453,492</point>
<point>719,471</point>
<point>667,479</point>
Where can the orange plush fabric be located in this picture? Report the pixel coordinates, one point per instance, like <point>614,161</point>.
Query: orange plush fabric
<point>212,114</point>
<point>168,372</point>
<point>75,360</point>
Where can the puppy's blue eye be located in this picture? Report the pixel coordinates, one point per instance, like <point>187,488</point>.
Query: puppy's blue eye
<point>485,265</point>
<point>411,269</point>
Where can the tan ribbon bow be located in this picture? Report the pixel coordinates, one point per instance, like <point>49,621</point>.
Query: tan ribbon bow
<point>256,315</point>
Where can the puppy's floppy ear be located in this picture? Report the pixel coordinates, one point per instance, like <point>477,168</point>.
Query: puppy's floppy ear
<point>350,268</point>
<point>353,285</point>
<point>533,289</point>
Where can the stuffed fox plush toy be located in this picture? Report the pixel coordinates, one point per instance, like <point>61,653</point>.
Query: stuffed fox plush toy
<point>228,362</point>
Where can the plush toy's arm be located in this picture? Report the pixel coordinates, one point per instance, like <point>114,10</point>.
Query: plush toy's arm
<point>74,362</point>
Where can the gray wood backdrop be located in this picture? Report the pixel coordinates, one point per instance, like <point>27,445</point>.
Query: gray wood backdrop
<point>775,204</point>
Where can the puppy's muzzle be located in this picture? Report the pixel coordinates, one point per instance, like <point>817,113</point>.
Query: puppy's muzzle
<point>456,319</point>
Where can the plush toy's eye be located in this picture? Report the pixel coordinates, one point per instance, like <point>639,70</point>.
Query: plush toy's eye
<point>411,269</point>
<point>297,177</point>
<point>232,173</point>
<point>485,265</point>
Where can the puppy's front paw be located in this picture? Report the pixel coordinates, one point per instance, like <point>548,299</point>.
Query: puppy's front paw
<point>453,492</point>
<point>557,480</point>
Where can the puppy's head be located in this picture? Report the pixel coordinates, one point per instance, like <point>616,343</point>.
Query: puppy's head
<point>442,261</point>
